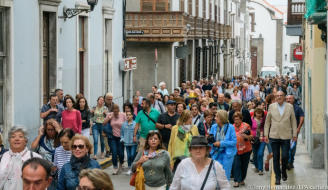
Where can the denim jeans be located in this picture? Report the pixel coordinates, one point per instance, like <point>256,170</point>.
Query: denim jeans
<point>117,150</point>
<point>109,133</point>
<point>240,165</point>
<point>276,144</point>
<point>258,152</point>
<point>269,148</point>
<point>131,152</point>
<point>97,131</point>
<point>292,154</point>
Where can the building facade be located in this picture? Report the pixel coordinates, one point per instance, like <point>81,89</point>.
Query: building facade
<point>42,51</point>
<point>176,41</point>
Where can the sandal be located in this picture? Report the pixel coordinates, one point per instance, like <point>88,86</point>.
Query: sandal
<point>94,157</point>
<point>102,156</point>
<point>235,184</point>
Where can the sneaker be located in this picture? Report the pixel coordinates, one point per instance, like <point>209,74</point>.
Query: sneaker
<point>107,154</point>
<point>256,170</point>
<point>115,172</point>
<point>102,156</point>
<point>128,172</point>
<point>242,183</point>
<point>94,157</point>
<point>260,172</point>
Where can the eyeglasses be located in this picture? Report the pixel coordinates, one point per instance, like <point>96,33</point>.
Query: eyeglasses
<point>84,188</point>
<point>80,146</point>
<point>153,131</point>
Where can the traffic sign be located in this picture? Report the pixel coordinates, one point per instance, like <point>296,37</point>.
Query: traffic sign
<point>298,53</point>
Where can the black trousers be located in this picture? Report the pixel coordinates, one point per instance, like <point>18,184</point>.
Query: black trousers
<point>240,165</point>
<point>276,145</point>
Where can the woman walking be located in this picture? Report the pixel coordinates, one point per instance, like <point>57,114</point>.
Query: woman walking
<point>155,162</point>
<point>116,119</point>
<point>191,172</point>
<point>225,140</point>
<point>99,113</point>
<point>244,149</point>
<point>71,118</point>
<point>82,106</point>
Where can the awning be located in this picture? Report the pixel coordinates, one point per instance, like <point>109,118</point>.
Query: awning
<point>313,7</point>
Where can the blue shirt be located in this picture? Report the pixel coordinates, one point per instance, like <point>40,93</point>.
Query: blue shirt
<point>52,115</point>
<point>281,108</point>
<point>298,113</point>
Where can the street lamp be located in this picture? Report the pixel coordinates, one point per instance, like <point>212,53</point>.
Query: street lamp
<point>72,12</point>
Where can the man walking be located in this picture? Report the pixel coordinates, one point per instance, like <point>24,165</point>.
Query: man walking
<point>36,174</point>
<point>299,114</point>
<point>280,128</point>
<point>166,121</point>
<point>146,120</point>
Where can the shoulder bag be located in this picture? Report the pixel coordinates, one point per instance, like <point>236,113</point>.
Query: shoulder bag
<point>149,117</point>
<point>207,174</point>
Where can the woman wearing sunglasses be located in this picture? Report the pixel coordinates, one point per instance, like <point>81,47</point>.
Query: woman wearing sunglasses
<point>80,159</point>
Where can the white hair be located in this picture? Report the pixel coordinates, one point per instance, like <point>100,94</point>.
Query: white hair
<point>161,84</point>
<point>109,94</point>
<point>17,128</point>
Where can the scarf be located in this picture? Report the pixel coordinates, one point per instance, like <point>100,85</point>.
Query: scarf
<point>153,154</point>
<point>220,133</point>
<point>43,144</point>
<point>185,135</point>
<point>10,178</point>
<point>79,164</point>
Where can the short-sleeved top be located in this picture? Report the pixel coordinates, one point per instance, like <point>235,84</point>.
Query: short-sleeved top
<point>117,122</point>
<point>243,146</point>
<point>146,124</point>
<point>98,114</point>
<point>165,119</point>
<point>298,113</point>
<point>52,115</point>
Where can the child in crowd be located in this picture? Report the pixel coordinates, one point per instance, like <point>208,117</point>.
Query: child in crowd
<point>127,138</point>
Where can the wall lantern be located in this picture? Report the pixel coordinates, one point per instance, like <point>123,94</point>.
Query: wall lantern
<point>72,12</point>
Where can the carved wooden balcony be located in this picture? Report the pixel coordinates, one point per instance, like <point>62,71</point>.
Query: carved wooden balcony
<point>157,26</point>
<point>296,9</point>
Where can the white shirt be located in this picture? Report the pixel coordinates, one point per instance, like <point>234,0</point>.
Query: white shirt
<point>11,169</point>
<point>281,108</point>
<point>187,177</point>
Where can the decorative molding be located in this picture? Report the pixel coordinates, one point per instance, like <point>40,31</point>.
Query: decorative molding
<point>81,5</point>
<point>50,2</point>
<point>6,3</point>
<point>108,9</point>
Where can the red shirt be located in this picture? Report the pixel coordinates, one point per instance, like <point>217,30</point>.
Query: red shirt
<point>72,119</point>
<point>242,145</point>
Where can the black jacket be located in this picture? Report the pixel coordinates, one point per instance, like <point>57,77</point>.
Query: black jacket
<point>246,116</point>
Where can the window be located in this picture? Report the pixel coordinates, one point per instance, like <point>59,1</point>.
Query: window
<point>82,51</point>
<point>49,61</point>
<point>204,8</point>
<point>190,7</point>
<point>154,5</point>
<point>197,4</point>
<point>108,55</point>
<point>252,21</point>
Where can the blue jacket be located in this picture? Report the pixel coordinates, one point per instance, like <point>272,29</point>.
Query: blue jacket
<point>228,146</point>
<point>69,179</point>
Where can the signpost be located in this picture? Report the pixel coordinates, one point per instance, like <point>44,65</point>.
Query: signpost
<point>129,64</point>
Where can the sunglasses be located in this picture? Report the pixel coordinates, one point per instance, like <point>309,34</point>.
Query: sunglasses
<point>80,146</point>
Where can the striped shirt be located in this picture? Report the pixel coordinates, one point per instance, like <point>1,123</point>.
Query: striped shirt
<point>62,156</point>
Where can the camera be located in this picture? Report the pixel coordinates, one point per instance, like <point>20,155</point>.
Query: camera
<point>247,132</point>
<point>211,139</point>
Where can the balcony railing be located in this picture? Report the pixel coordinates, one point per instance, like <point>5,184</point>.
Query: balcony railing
<point>173,26</point>
<point>296,10</point>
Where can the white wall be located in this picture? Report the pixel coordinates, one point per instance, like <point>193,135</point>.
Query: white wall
<point>267,27</point>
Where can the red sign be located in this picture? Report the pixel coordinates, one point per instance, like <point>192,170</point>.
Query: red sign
<point>156,55</point>
<point>130,63</point>
<point>298,53</point>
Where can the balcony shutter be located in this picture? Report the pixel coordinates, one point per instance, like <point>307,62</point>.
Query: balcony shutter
<point>197,4</point>
<point>190,7</point>
<point>204,8</point>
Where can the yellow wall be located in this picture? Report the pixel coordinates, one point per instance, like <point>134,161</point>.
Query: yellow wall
<point>315,63</point>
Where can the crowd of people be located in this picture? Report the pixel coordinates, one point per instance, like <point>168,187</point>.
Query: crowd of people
<point>202,135</point>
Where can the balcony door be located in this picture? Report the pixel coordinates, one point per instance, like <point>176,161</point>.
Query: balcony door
<point>49,67</point>
<point>154,5</point>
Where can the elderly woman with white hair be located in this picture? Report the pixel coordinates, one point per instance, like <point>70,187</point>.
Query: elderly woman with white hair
<point>162,88</point>
<point>12,161</point>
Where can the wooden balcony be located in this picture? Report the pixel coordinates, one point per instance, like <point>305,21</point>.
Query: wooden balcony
<point>171,27</point>
<point>296,9</point>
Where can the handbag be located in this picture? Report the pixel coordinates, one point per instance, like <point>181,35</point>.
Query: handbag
<point>208,172</point>
<point>140,179</point>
